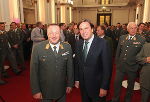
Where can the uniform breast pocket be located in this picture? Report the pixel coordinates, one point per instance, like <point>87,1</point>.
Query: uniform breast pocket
<point>43,59</point>
<point>136,45</point>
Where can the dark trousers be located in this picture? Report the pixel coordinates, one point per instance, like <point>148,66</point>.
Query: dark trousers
<point>19,56</point>
<point>118,83</point>
<point>8,54</point>
<point>145,95</point>
<point>86,98</point>
<point>61,99</point>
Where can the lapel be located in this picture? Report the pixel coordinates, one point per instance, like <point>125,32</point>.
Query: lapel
<point>92,48</point>
<point>81,43</point>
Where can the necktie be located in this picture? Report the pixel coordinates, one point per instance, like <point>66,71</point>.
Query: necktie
<point>55,52</point>
<point>77,38</point>
<point>85,50</point>
<point>130,38</point>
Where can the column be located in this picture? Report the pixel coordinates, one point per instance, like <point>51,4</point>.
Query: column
<point>5,12</point>
<point>63,14</point>
<point>41,11</point>
<point>146,16</point>
<point>21,11</point>
<point>53,11</point>
<point>70,14</point>
<point>36,11</point>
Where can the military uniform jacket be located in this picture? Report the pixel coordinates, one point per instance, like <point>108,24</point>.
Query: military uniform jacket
<point>51,74</point>
<point>16,37</point>
<point>145,72</point>
<point>3,40</point>
<point>128,49</point>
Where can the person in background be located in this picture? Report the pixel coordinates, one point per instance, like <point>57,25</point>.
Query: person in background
<point>37,34</point>
<point>128,47</point>
<point>143,58</point>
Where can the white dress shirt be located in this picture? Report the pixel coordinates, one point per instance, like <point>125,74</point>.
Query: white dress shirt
<point>57,46</point>
<point>89,43</point>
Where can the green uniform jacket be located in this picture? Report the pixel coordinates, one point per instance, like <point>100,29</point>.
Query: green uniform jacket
<point>145,72</point>
<point>51,74</point>
<point>127,51</point>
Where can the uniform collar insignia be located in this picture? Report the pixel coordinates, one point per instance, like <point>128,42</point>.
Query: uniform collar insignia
<point>61,46</point>
<point>134,38</point>
<point>127,37</point>
<point>47,46</point>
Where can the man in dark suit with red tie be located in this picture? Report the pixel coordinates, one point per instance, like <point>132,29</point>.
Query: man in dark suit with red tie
<point>93,65</point>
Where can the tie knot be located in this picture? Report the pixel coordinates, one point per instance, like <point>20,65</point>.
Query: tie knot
<point>54,47</point>
<point>86,42</point>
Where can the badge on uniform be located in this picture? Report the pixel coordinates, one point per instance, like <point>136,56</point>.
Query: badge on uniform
<point>136,43</point>
<point>66,53</point>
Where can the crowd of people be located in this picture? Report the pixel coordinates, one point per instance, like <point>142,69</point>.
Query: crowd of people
<point>80,52</point>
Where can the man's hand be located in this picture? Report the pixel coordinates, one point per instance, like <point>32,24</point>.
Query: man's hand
<point>15,46</point>
<point>102,93</point>
<point>76,84</point>
<point>68,90</point>
<point>37,96</point>
<point>148,59</point>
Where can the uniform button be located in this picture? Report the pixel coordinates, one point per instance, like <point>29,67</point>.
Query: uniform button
<point>125,54</point>
<point>126,50</point>
<point>127,46</point>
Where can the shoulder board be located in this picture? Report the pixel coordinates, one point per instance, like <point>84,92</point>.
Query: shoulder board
<point>66,42</point>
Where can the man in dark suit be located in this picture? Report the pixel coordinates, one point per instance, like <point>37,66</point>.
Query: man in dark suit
<point>93,64</point>
<point>128,47</point>
<point>51,68</point>
<point>101,33</point>
<point>74,37</point>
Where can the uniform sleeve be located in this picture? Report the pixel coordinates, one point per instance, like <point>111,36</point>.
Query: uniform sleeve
<point>140,58</point>
<point>34,79</point>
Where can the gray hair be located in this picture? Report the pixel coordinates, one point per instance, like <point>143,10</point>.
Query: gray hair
<point>130,24</point>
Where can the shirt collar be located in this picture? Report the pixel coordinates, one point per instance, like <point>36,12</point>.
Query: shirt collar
<point>131,36</point>
<point>91,39</point>
<point>57,46</point>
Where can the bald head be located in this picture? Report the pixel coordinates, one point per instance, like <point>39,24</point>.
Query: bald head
<point>53,33</point>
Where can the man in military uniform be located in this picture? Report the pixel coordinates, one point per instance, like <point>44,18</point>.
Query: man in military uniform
<point>5,52</point>
<point>51,68</point>
<point>128,47</point>
<point>16,41</point>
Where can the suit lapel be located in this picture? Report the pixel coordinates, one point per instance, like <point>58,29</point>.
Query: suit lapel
<point>92,48</point>
<point>81,49</point>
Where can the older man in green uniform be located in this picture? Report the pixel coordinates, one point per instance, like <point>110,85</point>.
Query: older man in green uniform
<point>51,68</point>
<point>128,47</point>
<point>6,52</point>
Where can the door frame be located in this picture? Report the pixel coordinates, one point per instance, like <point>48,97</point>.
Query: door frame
<point>103,14</point>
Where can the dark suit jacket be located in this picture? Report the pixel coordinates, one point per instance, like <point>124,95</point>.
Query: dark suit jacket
<point>96,71</point>
<point>110,43</point>
<point>72,41</point>
<point>51,74</point>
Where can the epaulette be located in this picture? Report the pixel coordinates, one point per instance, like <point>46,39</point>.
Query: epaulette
<point>66,42</point>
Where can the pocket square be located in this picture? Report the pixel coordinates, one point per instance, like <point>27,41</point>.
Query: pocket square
<point>66,53</point>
